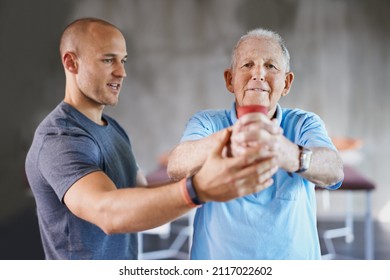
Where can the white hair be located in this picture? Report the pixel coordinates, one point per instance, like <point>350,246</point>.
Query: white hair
<point>264,33</point>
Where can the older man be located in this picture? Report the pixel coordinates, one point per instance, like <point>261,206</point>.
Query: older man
<point>278,222</point>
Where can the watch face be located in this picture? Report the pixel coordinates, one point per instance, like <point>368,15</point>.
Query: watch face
<point>304,159</point>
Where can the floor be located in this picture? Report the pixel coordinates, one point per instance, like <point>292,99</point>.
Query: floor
<point>20,240</point>
<point>355,250</point>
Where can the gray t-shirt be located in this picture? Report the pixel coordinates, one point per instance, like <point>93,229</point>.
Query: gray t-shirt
<point>67,146</point>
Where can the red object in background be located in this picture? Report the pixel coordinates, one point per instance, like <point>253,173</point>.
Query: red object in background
<point>347,144</point>
<point>242,110</point>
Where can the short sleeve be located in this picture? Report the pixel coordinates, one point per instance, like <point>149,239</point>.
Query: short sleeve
<point>313,133</point>
<point>197,128</point>
<point>205,123</point>
<point>65,158</point>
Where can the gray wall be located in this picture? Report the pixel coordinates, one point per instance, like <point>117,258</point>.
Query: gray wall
<point>178,50</point>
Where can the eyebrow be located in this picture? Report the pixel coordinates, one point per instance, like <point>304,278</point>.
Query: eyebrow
<point>113,55</point>
<point>273,60</point>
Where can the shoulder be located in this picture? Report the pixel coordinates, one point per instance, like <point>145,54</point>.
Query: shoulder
<point>60,119</point>
<point>305,128</point>
<point>206,122</point>
<point>298,117</point>
<point>296,112</point>
<point>212,116</point>
<point>64,127</point>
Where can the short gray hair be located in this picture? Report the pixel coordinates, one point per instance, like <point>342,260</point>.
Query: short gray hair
<point>264,33</point>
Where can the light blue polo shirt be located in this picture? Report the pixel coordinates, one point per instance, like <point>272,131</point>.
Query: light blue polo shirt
<point>276,223</point>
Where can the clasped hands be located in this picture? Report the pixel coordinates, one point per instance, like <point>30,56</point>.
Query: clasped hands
<point>257,135</point>
<point>243,162</point>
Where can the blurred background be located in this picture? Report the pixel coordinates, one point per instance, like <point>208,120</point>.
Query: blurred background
<point>177,52</point>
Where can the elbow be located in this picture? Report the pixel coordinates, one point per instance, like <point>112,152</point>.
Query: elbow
<point>107,226</point>
<point>176,173</point>
<point>340,175</point>
<point>172,172</point>
<point>108,230</point>
<point>107,220</point>
<point>112,219</point>
<point>110,224</point>
<point>336,177</point>
<point>113,226</point>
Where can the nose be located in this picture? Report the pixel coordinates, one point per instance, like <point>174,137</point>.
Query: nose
<point>120,71</point>
<point>258,73</point>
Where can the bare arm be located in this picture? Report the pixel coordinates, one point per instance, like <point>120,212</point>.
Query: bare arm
<point>188,157</point>
<point>326,167</point>
<point>96,199</point>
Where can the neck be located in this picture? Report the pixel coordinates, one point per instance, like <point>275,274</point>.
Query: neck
<point>87,107</point>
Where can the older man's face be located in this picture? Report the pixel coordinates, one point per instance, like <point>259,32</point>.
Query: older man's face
<point>258,75</point>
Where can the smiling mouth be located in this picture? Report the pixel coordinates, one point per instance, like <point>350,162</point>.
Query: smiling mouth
<point>259,90</point>
<point>114,86</point>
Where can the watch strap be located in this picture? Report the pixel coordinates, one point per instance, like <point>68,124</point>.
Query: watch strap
<point>304,159</point>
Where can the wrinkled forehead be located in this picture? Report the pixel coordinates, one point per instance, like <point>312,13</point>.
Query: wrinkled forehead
<point>253,47</point>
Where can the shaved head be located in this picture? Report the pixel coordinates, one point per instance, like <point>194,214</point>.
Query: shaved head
<point>72,37</point>
<point>93,54</point>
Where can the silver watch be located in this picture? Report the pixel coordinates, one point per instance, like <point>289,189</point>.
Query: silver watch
<point>304,159</point>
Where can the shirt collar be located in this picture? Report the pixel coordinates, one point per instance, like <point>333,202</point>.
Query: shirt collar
<point>233,114</point>
<point>279,114</point>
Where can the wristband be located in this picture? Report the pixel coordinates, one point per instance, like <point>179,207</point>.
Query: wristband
<point>189,193</point>
<point>192,192</point>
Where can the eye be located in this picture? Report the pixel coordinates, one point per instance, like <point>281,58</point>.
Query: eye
<point>123,61</point>
<point>271,66</point>
<point>247,65</point>
<point>107,60</point>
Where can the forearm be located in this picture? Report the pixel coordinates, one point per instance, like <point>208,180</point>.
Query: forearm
<point>326,167</point>
<point>138,209</point>
<point>188,157</point>
<point>96,199</point>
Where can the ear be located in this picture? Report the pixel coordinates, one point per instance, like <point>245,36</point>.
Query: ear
<point>228,79</point>
<point>287,83</point>
<point>69,60</point>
